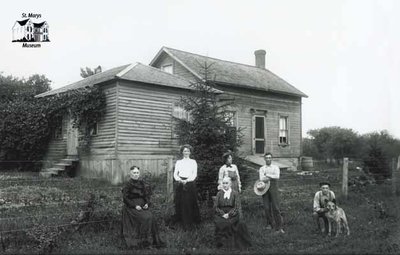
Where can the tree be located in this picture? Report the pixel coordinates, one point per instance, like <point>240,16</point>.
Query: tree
<point>207,129</point>
<point>38,84</point>
<point>375,150</point>
<point>378,150</point>
<point>12,88</point>
<point>88,72</point>
<point>334,142</point>
<point>310,148</point>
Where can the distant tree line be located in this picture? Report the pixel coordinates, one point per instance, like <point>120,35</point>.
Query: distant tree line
<point>374,150</point>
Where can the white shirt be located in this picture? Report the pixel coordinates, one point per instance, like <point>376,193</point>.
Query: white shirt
<point>186,168</point>
<point>271,171</point>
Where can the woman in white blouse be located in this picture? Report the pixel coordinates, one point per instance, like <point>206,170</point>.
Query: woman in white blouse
<point>185,173</point>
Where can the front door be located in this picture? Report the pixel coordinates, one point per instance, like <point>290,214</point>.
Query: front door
<point>72,139</point>
<point>258,134</point>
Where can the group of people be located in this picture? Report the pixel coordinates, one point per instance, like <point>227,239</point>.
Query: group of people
<point>138,223</point>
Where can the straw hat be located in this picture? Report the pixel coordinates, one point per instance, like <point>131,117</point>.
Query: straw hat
<point>260,187</point>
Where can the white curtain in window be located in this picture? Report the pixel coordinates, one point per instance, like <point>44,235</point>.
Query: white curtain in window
<point>283,127</point>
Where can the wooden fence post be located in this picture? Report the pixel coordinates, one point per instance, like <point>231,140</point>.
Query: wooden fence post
<point>395,173</point>
<point>345,177</point>
<point>170,180</point>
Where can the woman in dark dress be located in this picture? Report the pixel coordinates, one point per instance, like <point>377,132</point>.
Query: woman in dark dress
<point>230,230</point>
<point>185,173</point>
<point>137,220</point>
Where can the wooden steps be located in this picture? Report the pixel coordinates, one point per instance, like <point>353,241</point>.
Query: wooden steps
<point>62,167</point>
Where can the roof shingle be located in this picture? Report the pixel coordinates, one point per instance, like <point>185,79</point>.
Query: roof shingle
<point>134,72</point>
<point>232,73</point>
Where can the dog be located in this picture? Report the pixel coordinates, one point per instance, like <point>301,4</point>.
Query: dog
<point>337,215</point>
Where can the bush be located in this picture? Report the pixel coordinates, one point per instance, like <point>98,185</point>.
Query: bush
<point>27,124</point>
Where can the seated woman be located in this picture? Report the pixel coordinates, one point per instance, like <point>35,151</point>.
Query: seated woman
<point>230,231</point>
<point>137,220</point>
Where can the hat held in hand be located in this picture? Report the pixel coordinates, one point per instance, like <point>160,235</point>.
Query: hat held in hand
<point>260,187</point>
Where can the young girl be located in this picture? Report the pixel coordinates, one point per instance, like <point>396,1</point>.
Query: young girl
<point>229,170</point>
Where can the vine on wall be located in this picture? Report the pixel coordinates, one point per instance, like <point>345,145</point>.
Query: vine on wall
<point>27,125</point>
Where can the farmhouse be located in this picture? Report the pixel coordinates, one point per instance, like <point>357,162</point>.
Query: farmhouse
<point>138,128</point>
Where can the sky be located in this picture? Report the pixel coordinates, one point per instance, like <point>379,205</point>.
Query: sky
<point>345,55</point>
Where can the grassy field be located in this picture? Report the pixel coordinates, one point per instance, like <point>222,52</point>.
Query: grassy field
<point>32,207</point>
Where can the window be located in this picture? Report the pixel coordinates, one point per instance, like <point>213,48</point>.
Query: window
<point>180,113</point>
<point>167,68</point>
<point>231,131</point>
<point>259,132</point>
<point>283,130</point>
<point>230,118</point>
<point>94,129</point>
<point>57,134</point>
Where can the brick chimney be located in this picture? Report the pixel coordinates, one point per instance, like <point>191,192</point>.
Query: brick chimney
<point>260,58</point>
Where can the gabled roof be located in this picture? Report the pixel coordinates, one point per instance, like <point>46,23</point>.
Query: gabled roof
<point>39,25</point>
<point>22,22</point>
<point>134,72</point>
<point>88,81</point>
<point>231,73</point>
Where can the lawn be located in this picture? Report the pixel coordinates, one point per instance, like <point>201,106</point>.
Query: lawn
<point>36,216</point>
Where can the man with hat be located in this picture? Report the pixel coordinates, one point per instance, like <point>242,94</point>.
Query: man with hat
<point>269,175</point>
<point>319,206</point>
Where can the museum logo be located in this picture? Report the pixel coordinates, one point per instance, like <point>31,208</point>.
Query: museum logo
<point>30,32</point>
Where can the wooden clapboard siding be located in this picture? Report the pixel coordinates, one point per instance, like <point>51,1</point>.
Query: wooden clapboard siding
<point>247,99</point>
<point>183,72</point>
<point>248,102</point>
<point>116,169</point>
<point>144,119</point>
<point>97,168</point>
<point>155,166</point>
<point>104,141</point>
<point>177,68</point>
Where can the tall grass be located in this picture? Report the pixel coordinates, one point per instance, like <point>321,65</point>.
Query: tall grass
<point>371,211</point>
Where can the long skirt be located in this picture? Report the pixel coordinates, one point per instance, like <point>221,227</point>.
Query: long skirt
<point>186,207</point>
<point>138,225</point>
<point>231,233</point>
